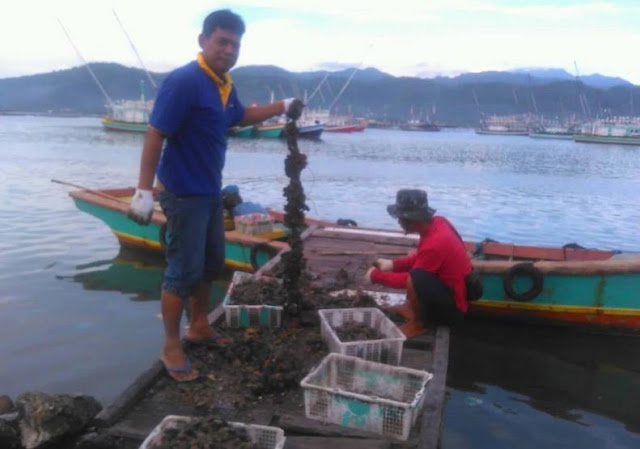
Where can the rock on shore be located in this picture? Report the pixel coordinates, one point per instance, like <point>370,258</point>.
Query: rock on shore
<point>38,419</point>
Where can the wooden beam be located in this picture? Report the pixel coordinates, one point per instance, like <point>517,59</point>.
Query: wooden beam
<point>357,252</point>
<point>431,420</point>
<point>306,442</point>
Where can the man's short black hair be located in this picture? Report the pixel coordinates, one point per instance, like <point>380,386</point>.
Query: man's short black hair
<point>225,19</point>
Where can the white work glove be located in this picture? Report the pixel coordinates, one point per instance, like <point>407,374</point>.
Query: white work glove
<point>293,108</point>
<point>367,275</point>
<point>141,207</point>
<point>384,264</point>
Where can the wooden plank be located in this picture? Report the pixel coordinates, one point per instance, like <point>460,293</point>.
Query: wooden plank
<point>431,419</point>
<point>591,267</point>
<point>399,240</point>
<point>306,442</point>
<point>359,252</point>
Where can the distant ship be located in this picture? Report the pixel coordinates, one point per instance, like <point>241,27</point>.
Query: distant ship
<point>551,131</point>
<point>507,125</point>
<point>128,115</point>
<point>615,130</point>
<point>416,125</point>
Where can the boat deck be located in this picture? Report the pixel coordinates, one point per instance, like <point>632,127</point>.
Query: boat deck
<point>333,255</point>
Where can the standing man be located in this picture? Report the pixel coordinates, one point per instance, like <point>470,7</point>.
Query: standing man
<point>194,108</point>
<point>434,275</point>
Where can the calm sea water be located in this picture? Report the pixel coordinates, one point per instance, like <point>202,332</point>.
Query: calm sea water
<point>77,316</point>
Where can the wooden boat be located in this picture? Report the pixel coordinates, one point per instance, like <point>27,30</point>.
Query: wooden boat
<point>570,285</point>
<point>244,252</point>
<point>128,115</point>
<point>121,126</point>
<point>352,128</point>
<point>310,130</point>
<point>272,130</point>
<point>244,132</point>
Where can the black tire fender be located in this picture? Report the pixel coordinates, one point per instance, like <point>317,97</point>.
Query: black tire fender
<point>263,248</point>
<point>346,222</point>
<point>523,269</point>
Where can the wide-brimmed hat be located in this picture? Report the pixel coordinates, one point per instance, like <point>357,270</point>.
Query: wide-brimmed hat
<point>411,204</point>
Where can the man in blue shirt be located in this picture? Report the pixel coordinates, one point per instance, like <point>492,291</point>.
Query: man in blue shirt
<point>194,108</point>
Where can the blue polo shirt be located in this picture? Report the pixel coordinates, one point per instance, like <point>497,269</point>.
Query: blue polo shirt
<point>188,110</point>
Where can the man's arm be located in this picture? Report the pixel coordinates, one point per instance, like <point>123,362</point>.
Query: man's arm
<point>403,264</point>
<point>141,208</point>
<point>257,114</point>
<point>151,151</point>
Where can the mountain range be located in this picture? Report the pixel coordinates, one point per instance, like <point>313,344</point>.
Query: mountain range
<point>371,93</point>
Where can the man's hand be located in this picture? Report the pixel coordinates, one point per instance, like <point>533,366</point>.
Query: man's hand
<point>367,276</point>
<point>384,264</point>
<point>293,108</point>
<point>141,207</point>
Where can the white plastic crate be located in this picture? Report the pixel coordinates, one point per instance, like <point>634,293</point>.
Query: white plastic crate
<point>254,224</point>
<point>265,437</point>
<point>385,350</point>
<point>353,392</point>
<point>247,315</point>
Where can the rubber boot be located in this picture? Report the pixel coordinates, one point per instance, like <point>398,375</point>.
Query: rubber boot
<point>414,325</point>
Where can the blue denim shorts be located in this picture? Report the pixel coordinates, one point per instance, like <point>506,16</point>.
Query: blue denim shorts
<point>195,241</point>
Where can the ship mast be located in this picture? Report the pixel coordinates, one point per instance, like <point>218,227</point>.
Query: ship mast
<point>135,50</point>
<point>581,96</point>
<point>335,100</point>
<point>86,64</point>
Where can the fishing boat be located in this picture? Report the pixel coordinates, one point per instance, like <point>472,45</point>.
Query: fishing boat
<point>269,130</point>
<point>417,125</point>
<point>346,126</point>
<point>128,116</point>
<point>553,131</point>
<point>244,251</point>
<point>617,130</point>
<point>569,285</point>
<point>310,130</point>
<point>244,132</point>
<point>511,125</point>
<point>276,130</point>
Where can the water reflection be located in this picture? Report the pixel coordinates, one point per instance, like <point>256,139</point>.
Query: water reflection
<point>134,274</point>
<point>506,371</point>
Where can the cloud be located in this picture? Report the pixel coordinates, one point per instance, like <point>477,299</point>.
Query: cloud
<point>413,37</point>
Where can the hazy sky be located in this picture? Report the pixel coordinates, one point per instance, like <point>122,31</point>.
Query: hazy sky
<point>401,37</point>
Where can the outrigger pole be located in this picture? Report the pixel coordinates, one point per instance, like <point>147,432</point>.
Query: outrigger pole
<point>104,92</point>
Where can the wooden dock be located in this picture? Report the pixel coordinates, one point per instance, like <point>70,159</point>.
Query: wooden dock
<point>334,255</point>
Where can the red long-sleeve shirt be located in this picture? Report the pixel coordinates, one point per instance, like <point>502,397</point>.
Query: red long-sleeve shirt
<point>440,251</point>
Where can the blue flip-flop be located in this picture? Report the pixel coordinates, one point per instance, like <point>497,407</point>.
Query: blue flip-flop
<point>179,369</point>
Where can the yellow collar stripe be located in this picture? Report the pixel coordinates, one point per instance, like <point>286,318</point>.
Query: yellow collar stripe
<point>224,85</point>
